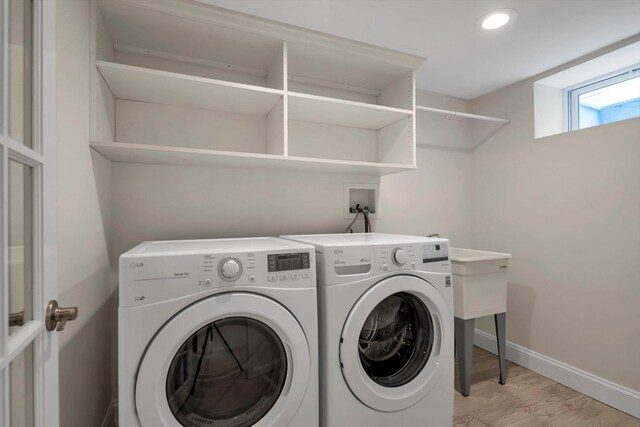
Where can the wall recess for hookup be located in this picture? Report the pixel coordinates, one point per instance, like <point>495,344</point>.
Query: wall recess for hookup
<point>365,195</point>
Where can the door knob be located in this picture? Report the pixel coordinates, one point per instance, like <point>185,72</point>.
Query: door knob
<point>57,317</point>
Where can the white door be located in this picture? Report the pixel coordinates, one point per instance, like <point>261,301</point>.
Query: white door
<point>28,351</point>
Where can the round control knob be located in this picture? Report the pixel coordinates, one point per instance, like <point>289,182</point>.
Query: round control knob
<point>230,269</point>
<point>400,256</point>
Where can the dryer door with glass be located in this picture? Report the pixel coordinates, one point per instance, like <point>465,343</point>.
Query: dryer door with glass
<point>391,343</point>
<point>230,360</point>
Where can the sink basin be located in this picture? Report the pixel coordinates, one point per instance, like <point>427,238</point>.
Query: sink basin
<point>479,282</point>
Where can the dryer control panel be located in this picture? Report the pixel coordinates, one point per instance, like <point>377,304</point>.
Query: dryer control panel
<point>346,257</point>
<point>345,264</point>
<point>435,252</point>
<point>148,278</point>
<point>425,257</point>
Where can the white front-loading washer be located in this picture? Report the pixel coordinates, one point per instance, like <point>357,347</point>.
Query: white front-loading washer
<point>386,330</point>
<point>218,333</point>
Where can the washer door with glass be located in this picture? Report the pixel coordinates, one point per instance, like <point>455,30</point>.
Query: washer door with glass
<point>231,360</point>
<point>391,342</point>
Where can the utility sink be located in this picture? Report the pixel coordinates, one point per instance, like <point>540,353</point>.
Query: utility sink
<point>479,289</point>
<point>479,282</point>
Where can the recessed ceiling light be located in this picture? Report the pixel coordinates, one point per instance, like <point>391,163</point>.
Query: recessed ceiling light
<point>498,18</point>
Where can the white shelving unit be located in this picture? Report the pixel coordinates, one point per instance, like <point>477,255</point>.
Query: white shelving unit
<point>185,83</point>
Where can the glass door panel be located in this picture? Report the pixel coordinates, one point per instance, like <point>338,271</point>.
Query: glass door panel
<point>21,389</point>
<point>20,55</point>
<point>20,245</point>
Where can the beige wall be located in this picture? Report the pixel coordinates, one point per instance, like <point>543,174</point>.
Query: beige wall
<point>173,202</point>
<point>568,208</point>
<point>85,346</point>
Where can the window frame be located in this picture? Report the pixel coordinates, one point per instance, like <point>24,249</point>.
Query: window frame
<point>572,94</point>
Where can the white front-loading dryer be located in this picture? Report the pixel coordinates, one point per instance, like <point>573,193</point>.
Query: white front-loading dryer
<point>386,330</point>
<point>218,333</point>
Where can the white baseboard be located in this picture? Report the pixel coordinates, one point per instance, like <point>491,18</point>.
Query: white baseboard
<point>610,393</point>
<point>111,417</point>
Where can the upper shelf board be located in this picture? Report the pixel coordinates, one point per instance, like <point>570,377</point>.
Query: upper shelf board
<point>162,87</point>
<point>166,155</point>
<point>319,109</point>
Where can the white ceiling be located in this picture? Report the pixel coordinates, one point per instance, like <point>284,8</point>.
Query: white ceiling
<point>464,60</point>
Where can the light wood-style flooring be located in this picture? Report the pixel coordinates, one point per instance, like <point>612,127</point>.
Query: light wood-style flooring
<point>527,399</point>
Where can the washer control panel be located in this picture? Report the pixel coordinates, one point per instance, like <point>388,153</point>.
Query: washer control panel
<point>148,279</point>
<point>286,267</point>
<point>289,261</point>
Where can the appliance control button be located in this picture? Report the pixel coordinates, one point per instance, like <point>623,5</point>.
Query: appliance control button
<point>413,264</point>
<point>272,278</point>
<point>207,282</point>
<point>252,278</point>
<point>230,269</point>
<point>284,276</point>
<point>384,267</point>
<point>400,256</point>
<point>306,275</point>
<point>295,276</point>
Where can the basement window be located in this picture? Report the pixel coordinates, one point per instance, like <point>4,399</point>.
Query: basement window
<point>606,100</point>
<point>601,90</point>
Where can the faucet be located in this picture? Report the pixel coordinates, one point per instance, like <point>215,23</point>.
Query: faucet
<point>433,235</point>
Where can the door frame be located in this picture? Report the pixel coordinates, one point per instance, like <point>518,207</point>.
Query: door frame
<point>42,158</point>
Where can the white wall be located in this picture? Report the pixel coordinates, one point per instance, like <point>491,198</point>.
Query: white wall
<point>568,208</point>
<point>85,347</point>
